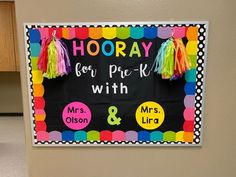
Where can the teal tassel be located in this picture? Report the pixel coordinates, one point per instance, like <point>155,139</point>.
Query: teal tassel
<point>159,60</point>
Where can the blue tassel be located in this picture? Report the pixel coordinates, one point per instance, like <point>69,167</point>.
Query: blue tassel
<point>159,60</point>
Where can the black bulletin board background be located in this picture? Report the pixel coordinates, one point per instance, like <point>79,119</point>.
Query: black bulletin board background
<point>61,91</point>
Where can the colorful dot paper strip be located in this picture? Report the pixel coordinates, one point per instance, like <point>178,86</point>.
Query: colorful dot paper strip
<point>116,32</point>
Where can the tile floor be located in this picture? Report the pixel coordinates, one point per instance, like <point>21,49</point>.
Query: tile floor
<point>12,147</point>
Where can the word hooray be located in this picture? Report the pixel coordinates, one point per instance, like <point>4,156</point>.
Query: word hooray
<point>108,48</point>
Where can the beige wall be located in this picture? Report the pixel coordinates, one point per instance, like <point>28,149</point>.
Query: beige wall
<point>216,158</point>
<point>10,93</point>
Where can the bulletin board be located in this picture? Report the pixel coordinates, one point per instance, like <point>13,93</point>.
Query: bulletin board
<point>125,83</point>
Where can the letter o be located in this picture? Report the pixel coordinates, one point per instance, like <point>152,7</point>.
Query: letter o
<point>89,47</point>
<point>104,46</point>
<point>69,120</point>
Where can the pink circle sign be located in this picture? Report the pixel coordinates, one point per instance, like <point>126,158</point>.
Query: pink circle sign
<point>76,115</point>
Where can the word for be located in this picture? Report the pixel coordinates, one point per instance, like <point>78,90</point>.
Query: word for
<point>108,48</point>
<point>112,119</point>
<point>79,70</point>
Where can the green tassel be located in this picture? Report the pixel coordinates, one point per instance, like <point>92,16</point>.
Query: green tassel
<point>168,63</point>
<point>52,61</point>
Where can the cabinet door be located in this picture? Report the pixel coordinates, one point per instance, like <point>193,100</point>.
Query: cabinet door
<point>17,61</point>
<point>7,47</point>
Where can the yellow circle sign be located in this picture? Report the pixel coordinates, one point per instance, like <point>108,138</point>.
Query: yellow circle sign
<point>150,115</point>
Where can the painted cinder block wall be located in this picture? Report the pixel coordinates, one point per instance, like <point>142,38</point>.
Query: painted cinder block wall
<point>216,156</point>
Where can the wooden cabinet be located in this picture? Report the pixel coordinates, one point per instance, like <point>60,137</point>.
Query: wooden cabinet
<point>8,42</point>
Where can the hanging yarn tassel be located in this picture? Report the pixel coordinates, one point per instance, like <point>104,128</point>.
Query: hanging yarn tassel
<point>43,56</point>
<point>66,57</point>
<point>182,62</point>
<point>168,65</point>
<point>159,60</point>
<point>61,68</point>
<point>54,59</point>
<point>172,60</point>
<point>164,61</point>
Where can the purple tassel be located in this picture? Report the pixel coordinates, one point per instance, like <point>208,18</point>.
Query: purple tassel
<point>66,57</point>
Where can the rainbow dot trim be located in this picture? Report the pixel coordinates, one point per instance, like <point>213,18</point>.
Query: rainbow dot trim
<point>117,136</point>
<point>108,33</point>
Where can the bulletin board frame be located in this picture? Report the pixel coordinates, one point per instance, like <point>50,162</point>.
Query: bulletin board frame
<point>198,101</point>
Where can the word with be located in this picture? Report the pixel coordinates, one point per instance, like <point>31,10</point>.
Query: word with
<point>123,89</point>
<point>112,119</point>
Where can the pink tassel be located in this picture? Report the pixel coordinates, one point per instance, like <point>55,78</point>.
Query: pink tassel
<point>61,67</point>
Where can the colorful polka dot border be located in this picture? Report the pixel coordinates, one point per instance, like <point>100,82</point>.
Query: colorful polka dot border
<point>111,32</point>
<point>116,136</point>
<point>196,46</point>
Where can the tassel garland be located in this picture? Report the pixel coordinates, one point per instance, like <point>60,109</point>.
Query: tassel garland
<point>54,59</point>
<point>172,60</point>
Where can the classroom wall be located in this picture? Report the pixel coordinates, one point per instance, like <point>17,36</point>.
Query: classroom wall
<point>216,157</point>
<point>10,93</point>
